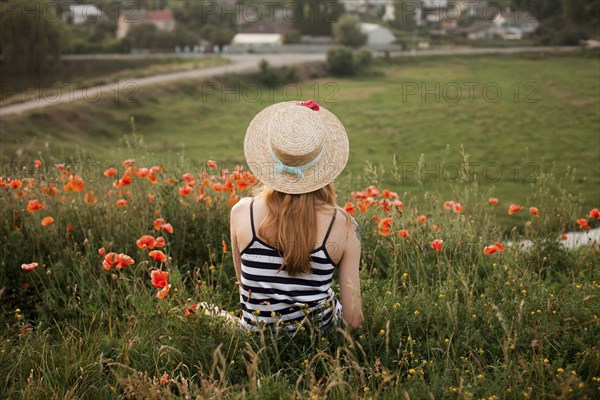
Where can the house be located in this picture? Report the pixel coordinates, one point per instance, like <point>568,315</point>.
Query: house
<point>377,34</point>
<point>515,24</point>
<point>480,29</point>
<point>264,33</point>
<point>79,14</point>
<point>162,19</point>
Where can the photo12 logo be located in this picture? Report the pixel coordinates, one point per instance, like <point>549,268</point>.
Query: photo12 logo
<point>253,92</point>
<point>453,92</point>
<point>57,92</point>
<point>454,172</point>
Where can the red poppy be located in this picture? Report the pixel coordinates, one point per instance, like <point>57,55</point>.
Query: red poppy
<point>59,167</point>
<point>160,242</point>
<point>121,203</point>
<point>513,208</point>
<point>493,200</point>
<point>403,233</point>
<point>160,279</point>
<point>124,260</point>
<point>74,184</point>
<point>499,246</point>
<point>128,163</point>
<point>534,211</point>
<point>37,164</point>
<point>184,191</point>
<point>372,191</point>
<point>388,194</point>
<point>385,226</point>
<point>50,190</point>
<point>158,255</point>
<point>564,237</point>
<point>34,205</point>
<point>146,242</point>
<point>422,218</point>
<point>583,223</point>
<point>164,379</point>
<point>232,201</point>
<point>110,172</point>
<point>594,213</point>
<point>16,184</point>
<point>47,221</point>
<point>490,249</point>
<point>358,195</point>
<point>101,251</point>
<point>188,179</point>
<point>167,227</point>
<point>109,260</point>
<point>349,207</point>
<point>29,267</point>
<point>398,204</point>
<point>362,206</point>
<point>70,228</point>
<point>242,184</point>
<point>435,227</point>
<point>158,222</point>
<point>152,178</point>
<point>211,164</point>
<point>437,244</point>
<point>385,205</point>
<point>90,198</point>
<point>457,208</point>
<point>448,205</point>
<point>163,292</point>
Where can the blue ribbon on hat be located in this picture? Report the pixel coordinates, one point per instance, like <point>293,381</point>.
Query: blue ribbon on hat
<point>280,167</point>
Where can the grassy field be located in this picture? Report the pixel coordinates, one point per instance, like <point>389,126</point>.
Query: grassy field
<point>450,324</point>
<point>517,118</point>
<point>81,74</point>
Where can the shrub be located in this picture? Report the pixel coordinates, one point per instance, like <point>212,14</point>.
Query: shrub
<point>347,32</point>
<point>363,60</point>
<point>340,60</point>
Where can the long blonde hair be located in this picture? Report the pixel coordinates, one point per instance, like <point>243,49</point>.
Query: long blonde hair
<point>294,217</point>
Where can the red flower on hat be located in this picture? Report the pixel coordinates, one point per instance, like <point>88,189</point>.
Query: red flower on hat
<point>310,104</point>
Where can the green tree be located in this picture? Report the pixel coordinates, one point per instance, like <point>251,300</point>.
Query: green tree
<point>31,37</point>
<point>405,12</point>
<point>143,36</point>
<point>347,32</point>
<point>217,35</point>
<point>315,17</point>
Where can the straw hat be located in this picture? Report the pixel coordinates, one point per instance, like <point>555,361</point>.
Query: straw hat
<point>296,147</point>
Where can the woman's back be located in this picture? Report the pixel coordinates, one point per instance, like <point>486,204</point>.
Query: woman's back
<point>268,294</point>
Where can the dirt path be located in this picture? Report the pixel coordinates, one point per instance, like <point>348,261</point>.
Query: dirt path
<point>240,63</point>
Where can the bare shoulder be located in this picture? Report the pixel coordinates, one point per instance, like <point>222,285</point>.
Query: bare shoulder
<point>241,207</point>
<point>344,223</point>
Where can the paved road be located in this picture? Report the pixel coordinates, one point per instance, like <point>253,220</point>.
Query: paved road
<point>240,63</point>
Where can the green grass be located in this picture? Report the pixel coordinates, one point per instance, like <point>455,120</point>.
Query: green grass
<point>452,324</point>
<point>551,125</point>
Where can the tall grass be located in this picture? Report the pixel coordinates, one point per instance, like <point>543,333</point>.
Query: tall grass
<point>455,323</point>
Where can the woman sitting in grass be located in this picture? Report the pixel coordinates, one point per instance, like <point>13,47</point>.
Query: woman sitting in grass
<point>289,238</point>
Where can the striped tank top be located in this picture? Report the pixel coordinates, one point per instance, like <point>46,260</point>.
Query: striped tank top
<point>271,297</point>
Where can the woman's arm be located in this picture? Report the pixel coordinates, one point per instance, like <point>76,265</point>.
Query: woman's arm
<point>349,278</point>
<point>235,248</point>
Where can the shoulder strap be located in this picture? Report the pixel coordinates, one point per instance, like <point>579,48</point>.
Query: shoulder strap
<point>330,226</point>
<point>252,218</point>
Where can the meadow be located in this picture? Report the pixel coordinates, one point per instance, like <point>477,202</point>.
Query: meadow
<point>91,222</point>
<point>100,280</point>
<point>517,117</point>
